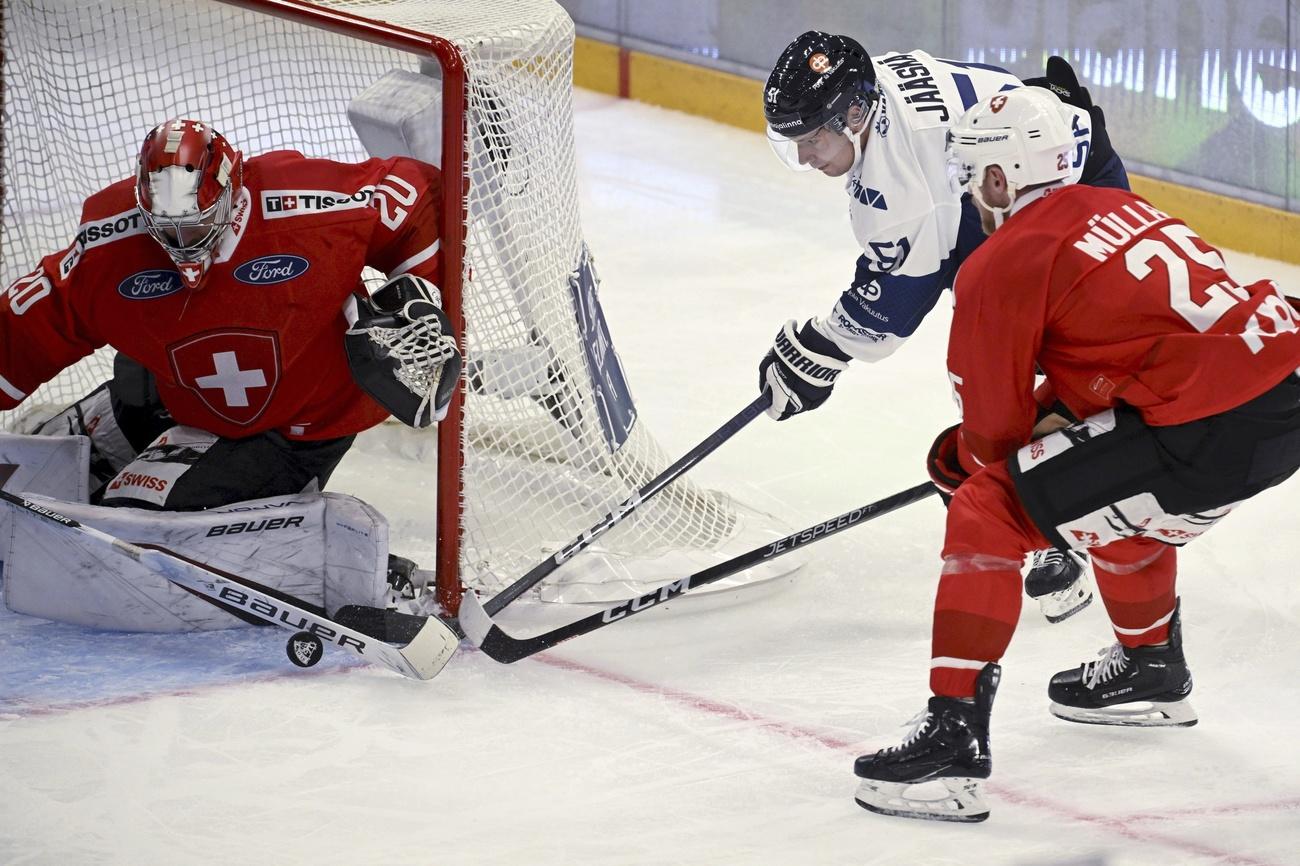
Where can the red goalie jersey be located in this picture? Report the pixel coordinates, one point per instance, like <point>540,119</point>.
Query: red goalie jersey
<point>1116,302</point>
<point>259,344</point>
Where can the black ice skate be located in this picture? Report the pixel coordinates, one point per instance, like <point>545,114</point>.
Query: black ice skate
<point>402,574</point>
<point>1059,580</point>
<point>411,590</point>
<point>950,747</point>
<point>1142,687</point>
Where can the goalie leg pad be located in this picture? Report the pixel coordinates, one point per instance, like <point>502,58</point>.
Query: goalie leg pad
<point>56,466</point>
<point>53,466</point>
<point>323,550</point>
<point>120,417</point>
<point>92,416</point>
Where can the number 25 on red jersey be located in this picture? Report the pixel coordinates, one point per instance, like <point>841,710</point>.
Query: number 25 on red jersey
<point>1174,250</point>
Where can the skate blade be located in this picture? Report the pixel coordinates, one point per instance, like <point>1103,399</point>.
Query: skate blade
<point>958,799</point>
<point>1060,606</point>
<point>1139,714</point>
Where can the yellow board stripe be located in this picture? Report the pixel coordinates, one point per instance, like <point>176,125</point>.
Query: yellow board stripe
<point>1228,222</point>
<point>737,101</point>
<point>720,96</point>
<point>595,66</point>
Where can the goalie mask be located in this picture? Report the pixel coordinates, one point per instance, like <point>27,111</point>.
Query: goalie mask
<point>1022,131</point>
<point>820,82</point>
<point>187,179</point>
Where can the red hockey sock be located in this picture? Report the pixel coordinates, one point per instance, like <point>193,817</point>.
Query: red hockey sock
<point>978,603</point>
<point>975,614</point>
<point>1135,578</point>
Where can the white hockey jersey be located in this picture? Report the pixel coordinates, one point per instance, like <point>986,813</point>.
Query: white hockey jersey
<point>913,229</point>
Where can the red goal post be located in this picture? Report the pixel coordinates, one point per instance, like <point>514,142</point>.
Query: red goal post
<point>453,232</point>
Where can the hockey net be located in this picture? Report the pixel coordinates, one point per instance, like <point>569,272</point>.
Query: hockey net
<point>543,439</point>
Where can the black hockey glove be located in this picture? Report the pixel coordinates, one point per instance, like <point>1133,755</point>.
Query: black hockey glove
<point>403,352</point>
<point>140,413</point>
<point>800,369</point>
<point>944,465</point>
<point>1061,80</point>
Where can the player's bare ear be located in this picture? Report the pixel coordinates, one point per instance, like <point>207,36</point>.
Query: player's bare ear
<point>856,116</point>
<point>997,177</point>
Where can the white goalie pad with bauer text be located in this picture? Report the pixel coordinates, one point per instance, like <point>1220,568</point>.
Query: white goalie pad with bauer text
<point>324,550</point>
<point>56,466</point>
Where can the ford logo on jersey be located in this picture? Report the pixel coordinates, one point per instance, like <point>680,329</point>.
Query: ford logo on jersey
<point>146,285</point>
<point>271,269</point>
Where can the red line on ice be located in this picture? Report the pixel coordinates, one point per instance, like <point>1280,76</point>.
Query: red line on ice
<point>1120,826</point>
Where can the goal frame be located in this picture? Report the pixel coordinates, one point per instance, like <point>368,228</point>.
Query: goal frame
<point>542,438</point>
<point>453,215</point>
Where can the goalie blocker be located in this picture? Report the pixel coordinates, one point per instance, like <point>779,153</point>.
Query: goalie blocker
<point>402,350</point>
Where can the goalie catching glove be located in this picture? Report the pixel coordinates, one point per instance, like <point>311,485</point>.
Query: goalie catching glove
<point>402,350</point>
<point>800,369</point>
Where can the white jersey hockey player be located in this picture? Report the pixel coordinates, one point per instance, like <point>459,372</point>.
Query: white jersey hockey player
<point>882,124</point>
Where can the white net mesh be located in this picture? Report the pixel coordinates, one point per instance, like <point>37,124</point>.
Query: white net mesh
<point>546,444</point>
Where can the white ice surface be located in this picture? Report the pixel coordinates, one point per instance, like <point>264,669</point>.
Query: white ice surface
<point>719,736</point>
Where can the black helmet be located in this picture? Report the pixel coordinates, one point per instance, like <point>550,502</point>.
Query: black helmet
<point>815,82</point>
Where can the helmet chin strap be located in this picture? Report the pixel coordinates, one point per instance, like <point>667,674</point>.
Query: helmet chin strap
<point>999,213</point>
<point>855,138</point>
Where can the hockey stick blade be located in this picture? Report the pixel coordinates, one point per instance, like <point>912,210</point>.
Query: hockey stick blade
<point>543,569</point>
<point>428,651</point>
<point>484,633</point>
<point>388,625</point>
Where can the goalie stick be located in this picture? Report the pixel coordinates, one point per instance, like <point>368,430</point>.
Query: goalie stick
<point>428,650</point>
<point>543,569</point>
<point>497,644</point>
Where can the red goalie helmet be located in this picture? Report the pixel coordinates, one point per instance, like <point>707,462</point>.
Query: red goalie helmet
<point>188,179</point>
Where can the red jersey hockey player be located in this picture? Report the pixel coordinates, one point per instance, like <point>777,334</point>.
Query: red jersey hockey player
<point>1187,383</point>
<point>227,288</point>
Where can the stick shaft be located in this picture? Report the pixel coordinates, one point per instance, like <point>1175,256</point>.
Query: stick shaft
<point>504,648</point>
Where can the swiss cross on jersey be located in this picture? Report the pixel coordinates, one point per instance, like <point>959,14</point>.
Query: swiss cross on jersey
<point>234,372</point>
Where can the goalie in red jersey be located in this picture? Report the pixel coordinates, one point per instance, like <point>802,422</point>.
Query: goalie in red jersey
<point>1188,388</point>
<point>249,352</point>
